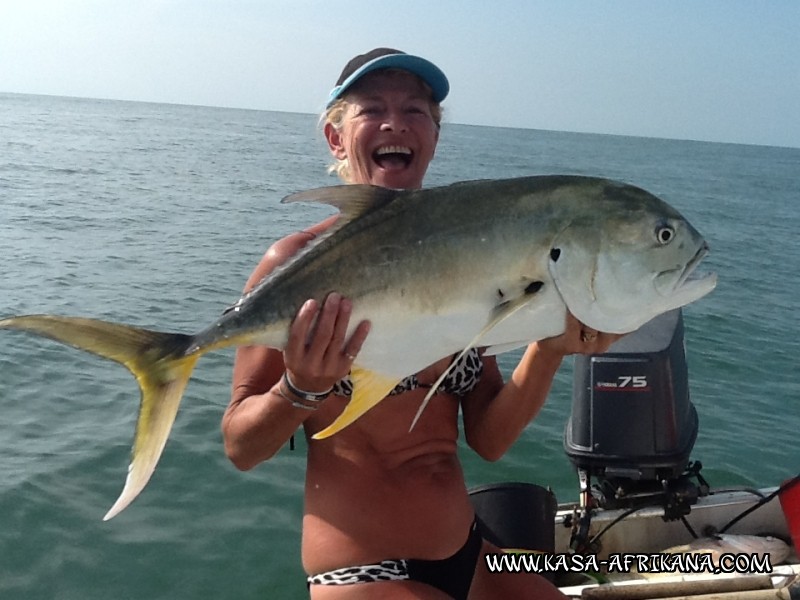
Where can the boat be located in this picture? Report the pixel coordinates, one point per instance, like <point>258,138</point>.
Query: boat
<point>645,523</point>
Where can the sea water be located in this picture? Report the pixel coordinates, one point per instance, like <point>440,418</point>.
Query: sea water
<point>155,215</point>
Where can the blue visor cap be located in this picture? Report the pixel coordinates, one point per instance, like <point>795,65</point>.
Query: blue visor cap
<point>424,69</point>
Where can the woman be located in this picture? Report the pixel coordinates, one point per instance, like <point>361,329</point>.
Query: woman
<point>386,510</point>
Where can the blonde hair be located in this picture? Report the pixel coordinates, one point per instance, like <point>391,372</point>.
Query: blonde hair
<point>335,116</point>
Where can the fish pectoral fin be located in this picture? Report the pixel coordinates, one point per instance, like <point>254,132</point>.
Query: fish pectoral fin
<point>158,360</point>
<point>499,313</point>
<point>501,348</point>
<point>505,309</point>
<point>369,388</point>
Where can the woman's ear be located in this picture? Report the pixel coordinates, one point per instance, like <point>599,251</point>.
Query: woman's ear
<point>335,141</point>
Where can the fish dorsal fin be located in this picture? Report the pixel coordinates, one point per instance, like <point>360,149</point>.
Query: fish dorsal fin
<point>352,201</point>
<point>500,313</point>
<point>369,388</point>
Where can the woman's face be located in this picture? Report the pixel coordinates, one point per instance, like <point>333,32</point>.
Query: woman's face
<point>388,134</point>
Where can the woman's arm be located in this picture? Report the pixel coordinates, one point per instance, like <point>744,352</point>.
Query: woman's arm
<point>495,414</point>
<point>262,416</point>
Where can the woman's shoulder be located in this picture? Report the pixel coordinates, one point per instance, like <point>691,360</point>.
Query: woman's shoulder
<point>282,250</point>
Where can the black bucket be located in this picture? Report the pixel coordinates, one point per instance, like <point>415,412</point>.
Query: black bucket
<point>516,516</point>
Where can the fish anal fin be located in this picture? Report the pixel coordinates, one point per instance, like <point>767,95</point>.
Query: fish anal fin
<point>369,388</point>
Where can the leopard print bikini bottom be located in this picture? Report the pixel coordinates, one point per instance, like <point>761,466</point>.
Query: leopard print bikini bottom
<point>451,575</point>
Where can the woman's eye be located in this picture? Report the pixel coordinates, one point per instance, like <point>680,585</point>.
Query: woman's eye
<point>369,110</point>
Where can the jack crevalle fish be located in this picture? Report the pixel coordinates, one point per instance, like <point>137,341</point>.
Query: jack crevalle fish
<point>495,263</point>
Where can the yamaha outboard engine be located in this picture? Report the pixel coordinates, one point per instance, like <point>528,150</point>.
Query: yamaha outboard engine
<point>633,424</point>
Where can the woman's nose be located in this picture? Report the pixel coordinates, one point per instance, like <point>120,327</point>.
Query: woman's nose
<point>394,121</point>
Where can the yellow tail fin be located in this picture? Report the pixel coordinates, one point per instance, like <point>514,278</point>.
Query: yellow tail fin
<point>157,360</point>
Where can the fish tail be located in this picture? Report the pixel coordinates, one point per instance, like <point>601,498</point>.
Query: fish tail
<point>162,364</point>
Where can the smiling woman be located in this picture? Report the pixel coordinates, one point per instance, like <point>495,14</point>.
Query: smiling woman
<point>386,508</point>
<point>203,530</point>
<point>388,133</point>
<point>415,102</point>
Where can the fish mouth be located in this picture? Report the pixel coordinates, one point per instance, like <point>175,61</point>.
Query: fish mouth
<point>690,283</point>
<point>691,266</point>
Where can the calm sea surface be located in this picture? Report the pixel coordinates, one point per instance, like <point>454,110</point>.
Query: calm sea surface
<point>156,214</point>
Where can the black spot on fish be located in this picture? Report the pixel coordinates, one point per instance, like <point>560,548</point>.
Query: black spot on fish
<point>533,287</point>
<point>555,254</point>
<point>500,293</point>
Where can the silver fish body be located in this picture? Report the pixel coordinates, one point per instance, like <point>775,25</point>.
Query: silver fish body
<point>441,261</point>
<point>488,263</point>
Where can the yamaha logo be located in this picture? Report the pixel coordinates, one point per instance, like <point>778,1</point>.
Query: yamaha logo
<point>624,383</point>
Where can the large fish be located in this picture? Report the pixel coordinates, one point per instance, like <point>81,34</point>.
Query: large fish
<point>436,271</point>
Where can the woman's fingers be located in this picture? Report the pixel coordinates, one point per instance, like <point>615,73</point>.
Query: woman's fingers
<point>579,339</point>
<point>300,328</point>
<point>318,351</point>
<point>356,341</point>
<point>321,335</point>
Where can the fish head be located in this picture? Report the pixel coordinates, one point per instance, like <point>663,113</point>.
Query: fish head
<point>626,258</point>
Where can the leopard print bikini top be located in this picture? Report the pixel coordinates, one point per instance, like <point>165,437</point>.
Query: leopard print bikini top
<point>460,381</point>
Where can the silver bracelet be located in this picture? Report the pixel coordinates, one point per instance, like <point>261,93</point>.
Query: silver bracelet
<point>294,403</point>
<point>302,394</point>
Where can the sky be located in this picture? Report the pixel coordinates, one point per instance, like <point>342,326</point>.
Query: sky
<point>723,71</point>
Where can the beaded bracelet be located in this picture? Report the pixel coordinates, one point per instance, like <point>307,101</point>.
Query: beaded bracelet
<point>302,394</point>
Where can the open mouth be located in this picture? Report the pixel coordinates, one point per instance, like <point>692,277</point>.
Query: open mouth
<point>393,157</point>
<point>685,285</point>
<point>688,270</point>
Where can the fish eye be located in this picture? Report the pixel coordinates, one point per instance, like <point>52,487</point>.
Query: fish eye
<point>665,234</point>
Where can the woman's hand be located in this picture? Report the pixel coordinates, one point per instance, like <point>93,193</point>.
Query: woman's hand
<point>317,354</point>
<point>578,339</point>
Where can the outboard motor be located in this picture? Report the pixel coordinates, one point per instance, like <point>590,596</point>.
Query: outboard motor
<point>633,424</point>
